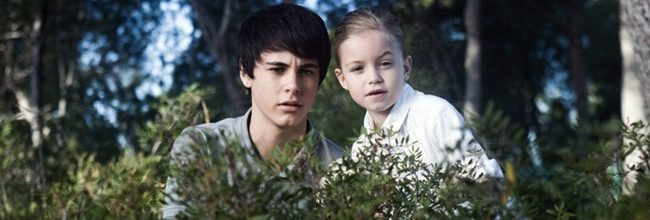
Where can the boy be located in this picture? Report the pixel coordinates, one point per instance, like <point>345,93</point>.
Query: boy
<point>283,55</point>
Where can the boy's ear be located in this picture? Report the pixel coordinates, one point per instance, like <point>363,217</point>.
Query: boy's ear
<point>407,67</point>
<point>341,78</point>
<point>245,78</point>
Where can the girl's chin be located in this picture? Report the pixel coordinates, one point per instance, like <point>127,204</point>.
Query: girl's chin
<point>382,108</point>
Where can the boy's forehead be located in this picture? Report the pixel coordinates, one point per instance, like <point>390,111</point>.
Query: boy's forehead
<point>282,57</point>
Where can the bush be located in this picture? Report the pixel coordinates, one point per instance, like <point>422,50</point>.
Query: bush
<point>545,178</point>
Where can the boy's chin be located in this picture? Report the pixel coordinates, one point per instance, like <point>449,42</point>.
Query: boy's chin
<point>288,121</point>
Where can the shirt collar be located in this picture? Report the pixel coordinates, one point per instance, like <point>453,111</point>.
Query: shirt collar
<point>243,130</point>
<point>397,114</point>
<point>248,142</point>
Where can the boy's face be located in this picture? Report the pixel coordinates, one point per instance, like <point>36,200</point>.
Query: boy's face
<point>284,87</point>
<point>373,69</point>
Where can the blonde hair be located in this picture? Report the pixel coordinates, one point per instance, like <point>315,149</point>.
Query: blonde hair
<point>366,19</point>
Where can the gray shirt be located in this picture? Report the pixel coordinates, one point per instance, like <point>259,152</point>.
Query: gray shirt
<point>230,128</point>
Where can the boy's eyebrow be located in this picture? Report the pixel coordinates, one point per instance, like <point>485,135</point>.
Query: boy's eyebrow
<point>309,65</point>
<point>281,64</point>
<point>278,63</point>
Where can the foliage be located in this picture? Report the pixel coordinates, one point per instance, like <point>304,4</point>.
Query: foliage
<point>390,183</point>
<point>374,183</point>
<point>561,179</point>
<point>175,114</point>
<point>229,182</point>
<point>131,186</point>
<point>92,55</point>
<point>327,113</point>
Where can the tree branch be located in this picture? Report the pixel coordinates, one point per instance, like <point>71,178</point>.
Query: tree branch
<point>216,43</point>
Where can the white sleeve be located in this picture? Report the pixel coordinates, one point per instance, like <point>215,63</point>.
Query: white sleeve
<point>450,128</point>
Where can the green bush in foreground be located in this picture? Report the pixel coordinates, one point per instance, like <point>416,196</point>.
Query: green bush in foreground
<point>228,182</point>
<point>576,179</point>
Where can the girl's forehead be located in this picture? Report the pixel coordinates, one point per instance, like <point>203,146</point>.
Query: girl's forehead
<point>370,36</point>
<point>375,38</point>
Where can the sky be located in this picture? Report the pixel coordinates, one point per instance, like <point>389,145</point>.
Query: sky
<point>171,39</point>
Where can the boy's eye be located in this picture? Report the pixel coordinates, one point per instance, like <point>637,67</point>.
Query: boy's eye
<point>277,69</point>
<point>307,72</point>
<point>386,64</point>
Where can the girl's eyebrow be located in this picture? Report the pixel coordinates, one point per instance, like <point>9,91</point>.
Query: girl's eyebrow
<point>386,53</point>
<point>353,62</point>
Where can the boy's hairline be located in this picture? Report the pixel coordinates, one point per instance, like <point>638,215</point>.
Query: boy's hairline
<point>247,61</point>
<point>258,58</point>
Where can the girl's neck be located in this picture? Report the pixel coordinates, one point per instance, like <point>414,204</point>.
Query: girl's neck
<point>378,118</point>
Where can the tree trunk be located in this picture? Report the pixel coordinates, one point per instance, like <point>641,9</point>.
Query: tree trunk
<point>472,59</point>
<point>633,102</point>
<point>35,96</point>
<point>28,99</point>
<point>214,35</point>
<point>576,65</point>
<point>635,91</point>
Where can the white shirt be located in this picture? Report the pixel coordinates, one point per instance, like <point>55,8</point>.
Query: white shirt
<point>437,130</point>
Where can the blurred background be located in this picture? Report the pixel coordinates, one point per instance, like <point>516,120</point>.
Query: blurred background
<point>105,78</point>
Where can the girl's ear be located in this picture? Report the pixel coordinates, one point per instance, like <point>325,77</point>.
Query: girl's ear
<point>407,67</point>
<point>341,78</point>
<point>245,78</point>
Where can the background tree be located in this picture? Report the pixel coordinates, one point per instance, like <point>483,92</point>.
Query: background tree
<point>51,92</point>
<point>210,59</point>
<point>635,91</point>
<point>635,50</point>
<point>215,37</point>
<point>576,67</point>
<point>472,59</point>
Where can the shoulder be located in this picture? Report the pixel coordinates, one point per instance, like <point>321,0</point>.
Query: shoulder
<point>204,132</point>
<point>199,136</point>
<point>327,150</point>
<point>426,107</point>
<point>335,150</point>
<point>228,126</point>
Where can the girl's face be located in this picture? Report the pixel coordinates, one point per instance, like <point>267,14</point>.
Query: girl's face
<point>373,69</point>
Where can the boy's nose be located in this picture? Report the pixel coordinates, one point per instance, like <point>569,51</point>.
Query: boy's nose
<point>292,83</point>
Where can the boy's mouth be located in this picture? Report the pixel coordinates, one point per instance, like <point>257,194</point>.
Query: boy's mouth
<point>291,103</point>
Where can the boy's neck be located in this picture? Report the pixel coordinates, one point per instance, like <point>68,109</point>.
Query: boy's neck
<point>266,136</point>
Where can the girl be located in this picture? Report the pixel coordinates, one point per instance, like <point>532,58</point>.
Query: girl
<point>369,50</point>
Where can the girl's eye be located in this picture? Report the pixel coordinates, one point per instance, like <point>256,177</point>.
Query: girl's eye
<point>356,69</point>
<point>386,64</point>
